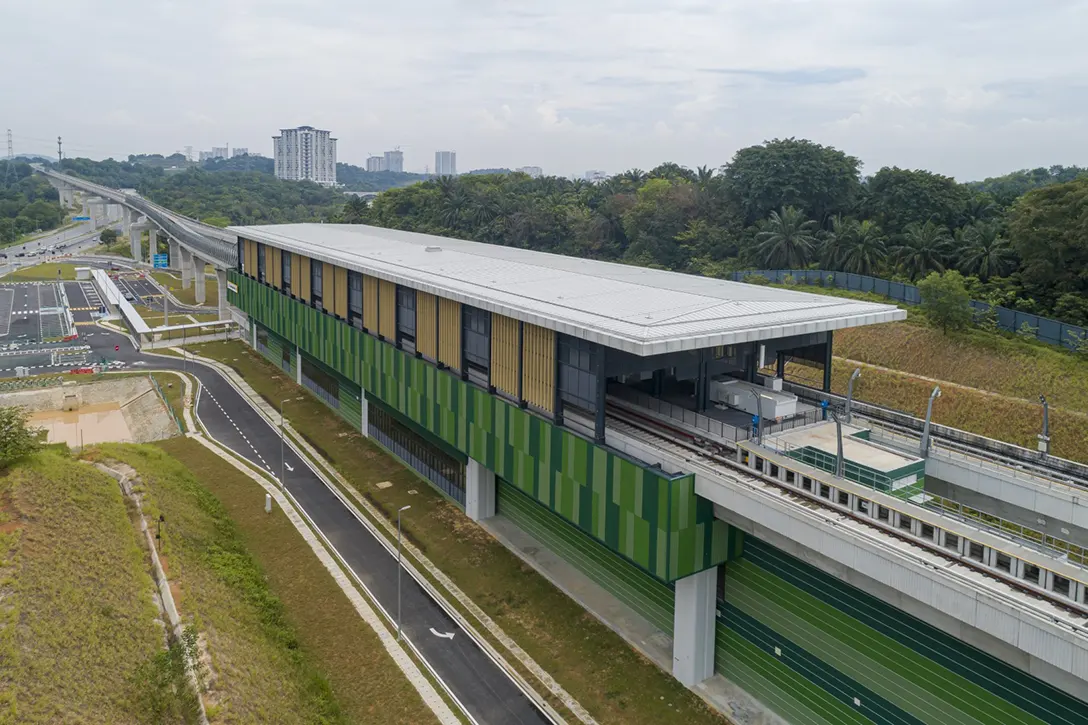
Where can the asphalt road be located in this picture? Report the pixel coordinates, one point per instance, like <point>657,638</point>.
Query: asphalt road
<point>478,683</point>
<point>69,241</point>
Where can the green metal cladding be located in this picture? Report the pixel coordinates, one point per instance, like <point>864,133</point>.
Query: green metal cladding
<point>807,644</point>
<point>654,520</point>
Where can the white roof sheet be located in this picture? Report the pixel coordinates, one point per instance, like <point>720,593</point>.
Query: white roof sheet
<point>643,311</point>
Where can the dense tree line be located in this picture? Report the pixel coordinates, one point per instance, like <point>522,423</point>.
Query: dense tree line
<point>1020,241</point>
<point>27,202</point>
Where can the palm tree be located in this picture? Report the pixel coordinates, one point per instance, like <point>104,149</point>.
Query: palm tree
<point>855,246</point>
<point>454,207</point>
<point>985,252</point>
<point>786,240</point>
<point>925,248</point>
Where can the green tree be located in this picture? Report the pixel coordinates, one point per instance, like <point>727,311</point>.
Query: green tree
<point>820,181</point>
<point>217,221</point>
<point>984,252</point>
<point>786,240</point>
<point>897,198</point>
<point>924,248</point>
<point>854,246</point>
<point>945,300</point>
<point>108,236</point>
<point>1048,228</point>
<point>17,440</point>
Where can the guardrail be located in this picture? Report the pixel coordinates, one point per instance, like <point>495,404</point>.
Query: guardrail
<point>690,418</point>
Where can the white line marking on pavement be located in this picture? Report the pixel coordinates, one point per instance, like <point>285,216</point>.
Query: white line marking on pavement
<point>443,635</point>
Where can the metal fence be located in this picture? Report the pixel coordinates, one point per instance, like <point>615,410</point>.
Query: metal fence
<point>447,474</point>
<point>1043,329</point>
<point>696,421</point>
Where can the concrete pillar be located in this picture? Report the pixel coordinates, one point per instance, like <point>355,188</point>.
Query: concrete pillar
<point>298,372</point>
<point>221,279</point>
<point>152,244</point>
<point>186,268</point>
<point>364,423</point>
<point>198,278</point>
<point>693,627</point>
<point>135,239</point>
<point>175,254</point>
<point>479,491</point>
<point>126,221</point>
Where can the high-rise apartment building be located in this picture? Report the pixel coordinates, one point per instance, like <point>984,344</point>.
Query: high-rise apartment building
<point>375,163</point>
<point>534,171</point>
<point>394,160</point>
<point>445,163</point>
<point>239,151</point>
<point>219,152</point>
<point>305,154</point>
<point>206,156</point>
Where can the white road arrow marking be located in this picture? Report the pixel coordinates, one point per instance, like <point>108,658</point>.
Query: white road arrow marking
<point>443,635</point>
<point>288,465</point>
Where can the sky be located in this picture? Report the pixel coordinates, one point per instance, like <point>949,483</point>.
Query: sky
<point>968,88</point>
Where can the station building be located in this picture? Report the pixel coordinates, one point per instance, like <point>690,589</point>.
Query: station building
<point>496,372</point>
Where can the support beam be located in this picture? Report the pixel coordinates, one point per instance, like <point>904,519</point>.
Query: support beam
<point>479,491</point>
<point>199,278</point>
<point>693,627</point>
<point>221,280</point>
<point>186,268</point>
<point>126,221</point>
<point>364,423</point>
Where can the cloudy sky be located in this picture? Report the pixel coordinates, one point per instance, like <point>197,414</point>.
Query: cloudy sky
<point>971,88</point>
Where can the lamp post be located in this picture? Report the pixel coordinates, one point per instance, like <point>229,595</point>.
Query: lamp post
<point>1044,439</point>
<point>929,415</point>
<point>283,481</point>
<point>840,461</point>
<point>401,510</point>
<point>850,393</point>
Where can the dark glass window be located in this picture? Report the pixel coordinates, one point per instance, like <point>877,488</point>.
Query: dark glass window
<point>262,339</point>
<point>406,314</point>
<point>261,271</point>
<point>316,297</point>
<point>577,371</point>
<point>325,386</point>
<point>476,340</point>
<point>285,271</point>
<point>241,256</point>
<point>355,299</point>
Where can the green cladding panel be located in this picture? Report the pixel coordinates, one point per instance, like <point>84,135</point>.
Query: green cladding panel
<point>654,520</point>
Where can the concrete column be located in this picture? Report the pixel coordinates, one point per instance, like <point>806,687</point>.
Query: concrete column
<point>175,254</point>
<point>693,627</point>
<point>126,221</point>
<point>298,370</point>
<point>198,279</point>
<point>221,279</point>
<point>479,491</point>
<point>135,239</point>
<point>364,423</point>
<point>186,268</point>
<point>152,244</point>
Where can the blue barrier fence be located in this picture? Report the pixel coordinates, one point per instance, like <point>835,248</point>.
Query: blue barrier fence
<point>1044,329</point>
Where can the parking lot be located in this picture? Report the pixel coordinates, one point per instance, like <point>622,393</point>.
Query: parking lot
<point>34,325</point>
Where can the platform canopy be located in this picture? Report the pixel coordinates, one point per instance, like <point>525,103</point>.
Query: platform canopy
<point>643,311</point>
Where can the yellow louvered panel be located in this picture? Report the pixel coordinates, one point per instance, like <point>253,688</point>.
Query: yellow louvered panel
<point>304,277</point>
<point>277,268</point>
<point>538,367</point>
<point>269,269</point>
<point>296,273</point>
<point>251,258</point>
<point>328,286</point>
<point>370,303</point>
<point>504,354</point>
<point>340,303</point>
<point>449,333</point>
<point>427,325</point>
<point>387,310</point>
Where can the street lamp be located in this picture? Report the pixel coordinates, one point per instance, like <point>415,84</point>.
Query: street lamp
<point>283,481</point>
<point>401,510</point>
<point>840,461</point>
<point>850,393</point>
<point>929,415</point>
<point>1044,439</point>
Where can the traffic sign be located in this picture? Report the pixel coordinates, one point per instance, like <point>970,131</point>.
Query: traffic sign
<point>81,218</point>
<point>161,261</point>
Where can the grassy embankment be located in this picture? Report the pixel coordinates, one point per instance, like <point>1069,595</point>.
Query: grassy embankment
<point>44,272</point>
<point>188,296</point>
<point>286,646</point>
<point>609,678</point>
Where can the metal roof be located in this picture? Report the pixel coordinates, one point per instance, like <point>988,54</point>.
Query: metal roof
<point>643,311</point>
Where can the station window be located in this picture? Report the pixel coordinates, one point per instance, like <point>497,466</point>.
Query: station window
<point>825,491</point>
<point>774,470</point>
<point>1031,573</point>
<point>355,299</point>
<point>285,272</point>
<point>1061,585</point>
<point>883,514</point>
<point>759,464</point>
<point>905,522</point>
<point>406,316</point>
<point>951,541</point>
<point>927,532</point>
<point>975,551</point>
<point>578,360</point>
<point>241,252</point>
<point>1003,562</point>
<point>791,477</point>
<point>844,498</point>
<point>476,341</point>
<point>316,288</point>
<point>806,483</point>
<point>863,506</point>
<point>261,271</point>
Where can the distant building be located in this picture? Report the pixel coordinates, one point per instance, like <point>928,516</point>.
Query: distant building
<point>595,177</point>
<point>375,163</point>
<point>445,163</point>
<point>534,171</point>
<point>394,160</point>
<point>239,151</point>
<point>206,156</point>
<point>219,152</point>
<point>305,154</point>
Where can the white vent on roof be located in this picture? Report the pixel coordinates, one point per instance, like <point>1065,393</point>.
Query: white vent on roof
<point>431,248</point>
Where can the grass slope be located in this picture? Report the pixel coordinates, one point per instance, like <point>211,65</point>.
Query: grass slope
<point>286,644</point>
<point>77,615</point>
<point>188,296</point>
<point>613,681</point>
<point>44,272</point>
